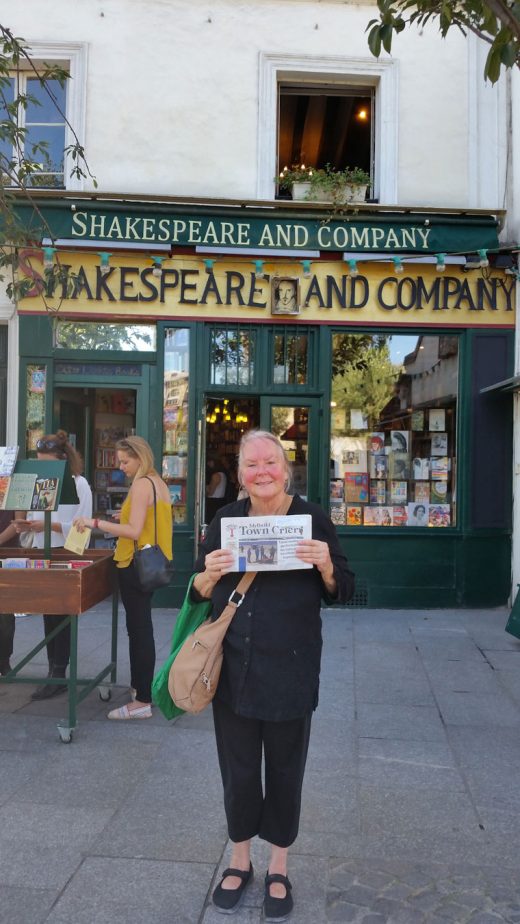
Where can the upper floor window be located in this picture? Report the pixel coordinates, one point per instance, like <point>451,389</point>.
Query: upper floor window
<point>49,115</point>
<point>42,119</point>
<point>325,124</point>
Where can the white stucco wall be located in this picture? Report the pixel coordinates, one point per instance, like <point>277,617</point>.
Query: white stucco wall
<point>172,90</point>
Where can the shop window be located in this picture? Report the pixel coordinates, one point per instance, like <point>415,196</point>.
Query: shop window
<point>44,117</point>
<point>232,355</point>
<point>291,357</point>
<point>36,384</point>
<point>99,335</point>
<point>393,430</point>
<point>323,124</point>
<point>175,417</point>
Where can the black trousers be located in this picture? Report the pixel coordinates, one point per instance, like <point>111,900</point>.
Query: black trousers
<point>275,814</point>
<point>6,636</point>
<point>58,649</point>
<point>138,609</point>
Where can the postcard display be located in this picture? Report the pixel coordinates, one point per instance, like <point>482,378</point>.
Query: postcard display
<point>396,477</point>
<point>52,580</point>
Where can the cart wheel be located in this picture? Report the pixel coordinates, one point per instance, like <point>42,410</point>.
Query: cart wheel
<point>65,734</point>
<point>105,693</point>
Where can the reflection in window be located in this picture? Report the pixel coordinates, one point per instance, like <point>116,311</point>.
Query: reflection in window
<point>87,335</point>
<point>393,430</point>
<point>232,356</point>
<point>175,417</point>
<point>290,358</point>
<point>43,123</point>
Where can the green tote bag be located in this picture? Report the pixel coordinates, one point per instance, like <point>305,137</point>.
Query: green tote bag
<point>191,616</point>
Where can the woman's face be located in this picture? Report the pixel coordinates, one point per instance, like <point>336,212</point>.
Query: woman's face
<point>262,471</point>
<point>127,463</point>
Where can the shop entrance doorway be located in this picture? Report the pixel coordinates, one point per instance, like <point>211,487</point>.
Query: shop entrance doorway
<point>95,419</point>
<point>295,421</point>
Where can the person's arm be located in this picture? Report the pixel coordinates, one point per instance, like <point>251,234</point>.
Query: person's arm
<point>8,533</point>
<point>140,499</point>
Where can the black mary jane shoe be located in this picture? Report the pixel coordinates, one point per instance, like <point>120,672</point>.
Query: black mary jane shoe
<point>227,901</point>
<point>277,909</point>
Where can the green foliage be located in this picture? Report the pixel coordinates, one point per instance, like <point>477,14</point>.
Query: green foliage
<point>496,22</point>
<point>324,179</point>
<point>26,165</point>
<point>367,382</point>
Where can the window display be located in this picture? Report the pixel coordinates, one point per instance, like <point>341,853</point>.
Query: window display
<point>393,431</point>
<point>175,418</point>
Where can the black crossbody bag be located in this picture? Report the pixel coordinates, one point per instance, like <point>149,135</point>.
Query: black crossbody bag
<point>152,567</point>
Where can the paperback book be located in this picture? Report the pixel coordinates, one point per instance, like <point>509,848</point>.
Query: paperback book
<point>45,494</point>
<point>421,492</point>
<point>398,492</point>
<point>377,492</point>
<point>338,513</point>
<point>421,468</point>
<point>354,515</point>
<point>439,515</point>
<point>439,492</point>
<point>8,457</point>
<point>4,488</point>
<point>378,466</point>
<point>356,488</point>
<point>439,468</point>
<point>20,493</point>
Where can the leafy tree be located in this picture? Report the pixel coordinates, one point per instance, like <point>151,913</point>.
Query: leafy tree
<point>368,383</point>
<point>25,164</point>
<point>496,22</point>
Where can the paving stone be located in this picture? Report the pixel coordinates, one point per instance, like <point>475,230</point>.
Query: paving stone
<point>25,905</point>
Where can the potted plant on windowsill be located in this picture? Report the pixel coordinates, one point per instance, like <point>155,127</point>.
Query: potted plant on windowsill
<point>326,184</point>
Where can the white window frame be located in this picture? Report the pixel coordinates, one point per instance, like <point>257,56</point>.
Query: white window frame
<point>72,56</point>
<point>381,74</point>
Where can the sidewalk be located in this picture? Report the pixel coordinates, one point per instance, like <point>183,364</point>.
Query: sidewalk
<point>410,810</point>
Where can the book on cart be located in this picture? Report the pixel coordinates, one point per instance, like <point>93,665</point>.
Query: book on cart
<point>21,490</point>
<point>8,457</point>
<point>45,493</point>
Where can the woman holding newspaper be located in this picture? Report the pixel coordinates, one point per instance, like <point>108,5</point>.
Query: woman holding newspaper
<point>268,687</point>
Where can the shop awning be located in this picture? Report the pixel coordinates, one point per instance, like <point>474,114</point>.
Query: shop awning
<point>506,387</point>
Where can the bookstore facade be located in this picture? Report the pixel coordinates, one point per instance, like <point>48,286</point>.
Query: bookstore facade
<point>365,342</point>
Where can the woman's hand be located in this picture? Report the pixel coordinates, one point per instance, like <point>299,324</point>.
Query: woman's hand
<point>83,523</point>
<point>28,526</point>
<point>315,552</point>
<point>216,564</point>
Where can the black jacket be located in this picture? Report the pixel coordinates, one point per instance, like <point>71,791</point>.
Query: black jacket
<point>272,650</point>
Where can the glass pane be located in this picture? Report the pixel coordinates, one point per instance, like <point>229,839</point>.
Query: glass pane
<point>44,109</point>
<point>36,383</point>
<point>51,157</point>
<point>291,426</point>
<point>232,357</point>
<point>175,418</point>
<point>393,430</point>
<point>290,359</point>
<point>6,97</point>
<point>75,335</point>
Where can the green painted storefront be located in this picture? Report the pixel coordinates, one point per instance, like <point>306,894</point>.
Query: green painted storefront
<point>465,565</point>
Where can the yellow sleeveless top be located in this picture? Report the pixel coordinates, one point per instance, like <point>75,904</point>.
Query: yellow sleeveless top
<point>125,547</point>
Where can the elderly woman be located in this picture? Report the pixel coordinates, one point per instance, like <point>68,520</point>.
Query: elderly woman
<point>268,687</point>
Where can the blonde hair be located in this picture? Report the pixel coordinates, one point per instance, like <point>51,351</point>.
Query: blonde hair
<point>249,437</point>
<point>137,448</point>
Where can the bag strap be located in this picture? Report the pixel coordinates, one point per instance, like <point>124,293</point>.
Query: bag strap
<point>154,512</point>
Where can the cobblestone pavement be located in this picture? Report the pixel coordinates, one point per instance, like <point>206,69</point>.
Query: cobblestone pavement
<point>371,892</point>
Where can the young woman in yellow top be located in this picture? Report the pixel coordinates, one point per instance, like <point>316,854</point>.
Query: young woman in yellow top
<point>136,523</point>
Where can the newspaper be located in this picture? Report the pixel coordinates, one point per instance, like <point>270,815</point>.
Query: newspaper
<point>265,543</point>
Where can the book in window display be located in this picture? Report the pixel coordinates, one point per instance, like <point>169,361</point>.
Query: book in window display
<point>376,443</point>
<point>398,492</point>
<point>439,515</point>
<point>399,515</point>
<point>354,460</point>
<point>439,492</point>
<point>337,491</point>
<point>440,466</point>
<point>439,444</point>
<point>378,466</point>
<point>421,492</point>
<point>354,515</point>
<point>377,492</point>
<point>399,466</point>
<point>371,516</point>
<point>421,469</point>
<point>417,420</point>
<point>356,488</point>
<point>400,440</point>
<point>417,514</point>
<point>338,513</point>
<point>437,419</point>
